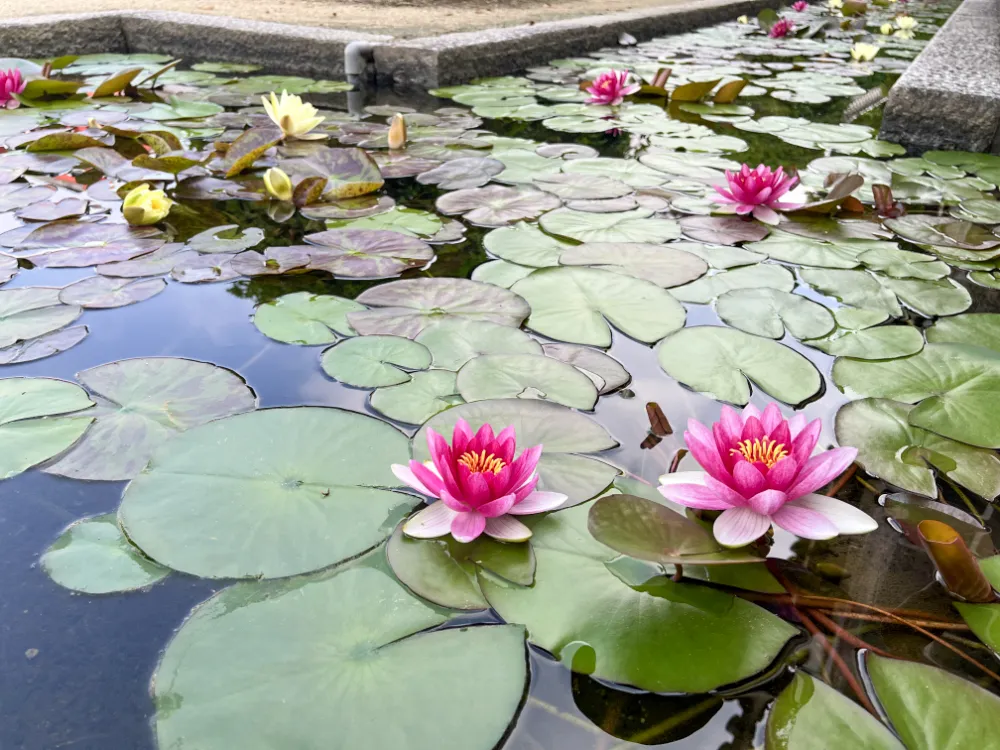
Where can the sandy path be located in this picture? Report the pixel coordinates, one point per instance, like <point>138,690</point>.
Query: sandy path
<point>413,19</point>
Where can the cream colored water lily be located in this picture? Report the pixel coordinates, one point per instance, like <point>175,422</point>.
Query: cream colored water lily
<point>743,19</point>
<point>278,184</point>
<point>143,206</point>
<point>295,118</point>
<point>886,29</point>
<point>906,25</point>
<point>835,4</point>
<point>864,52</point>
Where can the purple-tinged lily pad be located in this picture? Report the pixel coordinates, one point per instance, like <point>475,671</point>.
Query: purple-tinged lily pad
<point>226,239</point>
<point>92,255</point>
<point>497,206</point>
<point>156,263</point>
<point>205,268</point>
<point>29,312</point>
<point>19,196</point>
<point>112,164</point>
<point>47,211</point>
<point>396,165</point>
<point>367,254</point>
<point>43,346</point>
<point>462,173</point>
<point>272,262</point>
<point>349,208</point>
<point>350,171</point>
<point>105,292</point>
<point>723,230</point>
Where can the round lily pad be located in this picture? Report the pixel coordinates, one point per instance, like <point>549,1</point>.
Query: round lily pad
<point>94,557</point>
<point>272,493</point>
<point>580,305</point>
<point>769,312</point>
<point>723,230</point>
<point>374,361</point>
<point>879,342</point>
<point>454,341</point>
<point>341,648</point>
<point>640,225</point>
<point>366,253</point>
<point>581,186</point>
<point>722,362</point>
<point>420,398</point>
<point>43,346</point>
<point>492,376</point>
<point>143,403</point>
<point>105,292</point>
<point>975,329</point>
<point>29,312</point>
<point>497,206</point>
<point>761,275</point>
<point>606,372</point>
<point>526,245</point>
<point>664,265</point>
<point>39,419</point>
<point>306,318</point>
<point>459,174</point>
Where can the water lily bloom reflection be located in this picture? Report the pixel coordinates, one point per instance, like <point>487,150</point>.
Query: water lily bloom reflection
<point>278,184</point>
<point>906,26</point>
<point>143,206</point>
<point>743,19</point>
<point>759,470</point>
<point>800,6</point>
<point>479,484</point>
<point>864,52</point>
<point>295,118</point>
<point>11,83</point>
<point>782,27</point>
<point>611,87</point>
<point>757,191</point>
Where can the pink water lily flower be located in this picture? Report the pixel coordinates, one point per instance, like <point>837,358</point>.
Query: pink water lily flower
<point>479,484</point>
<point>758,191</point>
<point>11,83</point>
<point>759,470</point>
<point>611,87</point>
<point>782,27</point>
<point>800,6</point>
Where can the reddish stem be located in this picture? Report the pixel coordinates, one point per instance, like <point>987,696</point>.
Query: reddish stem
<point>846,635</point>
<point>837,659</point>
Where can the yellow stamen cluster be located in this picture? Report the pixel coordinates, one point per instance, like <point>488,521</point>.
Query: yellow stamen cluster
<point>766,451</point>
<point>481,462</point>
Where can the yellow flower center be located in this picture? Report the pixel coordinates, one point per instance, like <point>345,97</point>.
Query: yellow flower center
<point>766,451</point>
<point>482,462</point>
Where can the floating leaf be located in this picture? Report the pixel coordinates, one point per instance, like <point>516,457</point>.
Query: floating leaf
<point>719,362</point>
<point>975,329</point>
<point>455,341</point>
<point>526,245</point>
<point>984,619</point>
<point>405,308</point>
<point>496,206</point>
<point>944,231</point>
<point>143,403</point>
<point>581,186</point>
<point>43,346</point>
<point>230,238</point>
<point>272,262</point>
<point>494,376</point>
<point>29,312</point>
<point>292,490</point>
<point>420,398</point>
<point>94,557</point>
<point>411,221</point>
<point>580,305</point>
<point>156,263</point>
<point>639,225</point>
<point>606,372</point>
<point>366,253</point>
<point>306,318</point>
<point>374,361</point>
<point>762,275</point>
<point>459,174</point>
<point>249,147</point>
<point>104,292</point>
<point>769,312</point>
<point>664,265</point>
<point>350,171</point>
<point>723,230</point>
<point>874,291</point>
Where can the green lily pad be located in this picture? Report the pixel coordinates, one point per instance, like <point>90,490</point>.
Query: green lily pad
<point>975,329</point>
<point>366,253</point>
<point>272,493</point>
<point>39,420</point>
<point>720,257</point>
<point>984,619</point>
<point>501,273</point>
<point>580,305</point>
<point>230,238</point>
<point>143,403</point>
<point>583,614</point>
<point>891,448</point>
<point>952,386</point>
<point>722,362</point>
<point>354,642</point>
<point>564,433</point>
<point>931,709</point>
<point>769,312</point>
<point>493,376</point>
<point>29,312</point>
<point>978,211</point>
<point>43,346</point>
<point>629,171</point>
<point>526,245</point>
<point>639,225</point>
<point>94,557</point>
<point>762,275</point>
<point>811,715</point>
<point>664,265</point>
<point>420,398</point>
<point>455,341</point>
<point>305,318</point>
<point>788,248</point>
<point>948,232</point>
<point>374,361</point>
<point>606,372</point>
<point>405,308</point>
<point>879,342</point>
<point>874,291</point>
<point>496,205</point>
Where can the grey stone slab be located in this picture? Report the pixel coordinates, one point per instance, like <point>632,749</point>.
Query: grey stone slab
<point>281,48</point>
<point>949,97</point>
<point>51,36</point>
<point>459,57</point>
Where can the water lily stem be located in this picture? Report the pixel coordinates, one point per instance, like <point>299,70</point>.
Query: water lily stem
<point>678,573</point>
<point>844,634</point>
<point>567,717</point>
<point>651,733</point>
<point>838,660</point>
<point>678,457</point>
<point>931,624</point>
<point>965,499</point>
<point>867,486</point>
<point>844,479</point>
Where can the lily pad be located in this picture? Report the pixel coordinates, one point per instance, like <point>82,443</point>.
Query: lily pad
<point>39,418</point>
<point>355,642</point>
<point>722,362</point>
<point>405,308</point>
<point>420,398</point>
<point>494,376</point>
<point>639,225</point>
<point>459,174</point>
<point>230,238</point>
<point>305,318</point>
<point>271,493</point>
<point>565,435</point>
<point>606,372</point>
<point>105,292</point>
<point>93,557</point>
<point>411,221</point>
<point>374,361</point>
<point>975,329</point>
<point>455,341</point>
<point>891,448</point>
<point>873,291</point>
<point>495,205</point>
<point>984,619</point>
<point>29,312</point>
<point>723,230</point>
<point>349,172</point>
<point>143,403</point>
<point>951,385</point>
<point>664,265</point>
<point>770,312</point>
<point>762,275</point>
<point>371,254</point>
<point>43,346</point>
<point>580,305</point>
<point>526,245</point>
<point>931,709</point>
<point>583,614</point>
<point>945,231</point>
<point>581,186</point>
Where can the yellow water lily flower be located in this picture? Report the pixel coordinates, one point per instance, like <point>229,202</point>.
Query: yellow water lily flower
<point>278,184</point>
<point>906,26</point>
<point>742,19</point>
<point>886,29</point>
<point>835,4</point>
<point>143,206</point>
<point>293,116</point>
<point>397,132</point>
<point>864,52</point>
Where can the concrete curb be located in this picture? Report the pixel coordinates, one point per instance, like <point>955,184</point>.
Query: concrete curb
<point>949,97</point>
<point>319,52</point>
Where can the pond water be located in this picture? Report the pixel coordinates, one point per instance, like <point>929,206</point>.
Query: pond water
<point>528,259</point>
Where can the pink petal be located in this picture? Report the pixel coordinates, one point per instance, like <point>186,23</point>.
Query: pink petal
<point>466,527</point>
<point>845,517</point>
<point>507,529</point>
<point>505,445</point>
<point>453,502</point>
<point>701,442</point>
<point>694,496</point>
<point>796,423</point>
<point>498,507</point>
<point>476,490</point>
<point>805,441</point>
<point>527,488</point>
<point>822,469</point>
<point>405,475</point>
<point>767,502</point>
<point>427,477</point>
<point>433,521</point>
<point>771,419</point>
<point>782,474</point>
<point>752,429</point>
<point>766,215</point>
<point>737,527</point>
<point>749,480</point>
<point>538,501</point>
<point>748,411</point>
<point>803,522</point>
<point>461,436</point>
